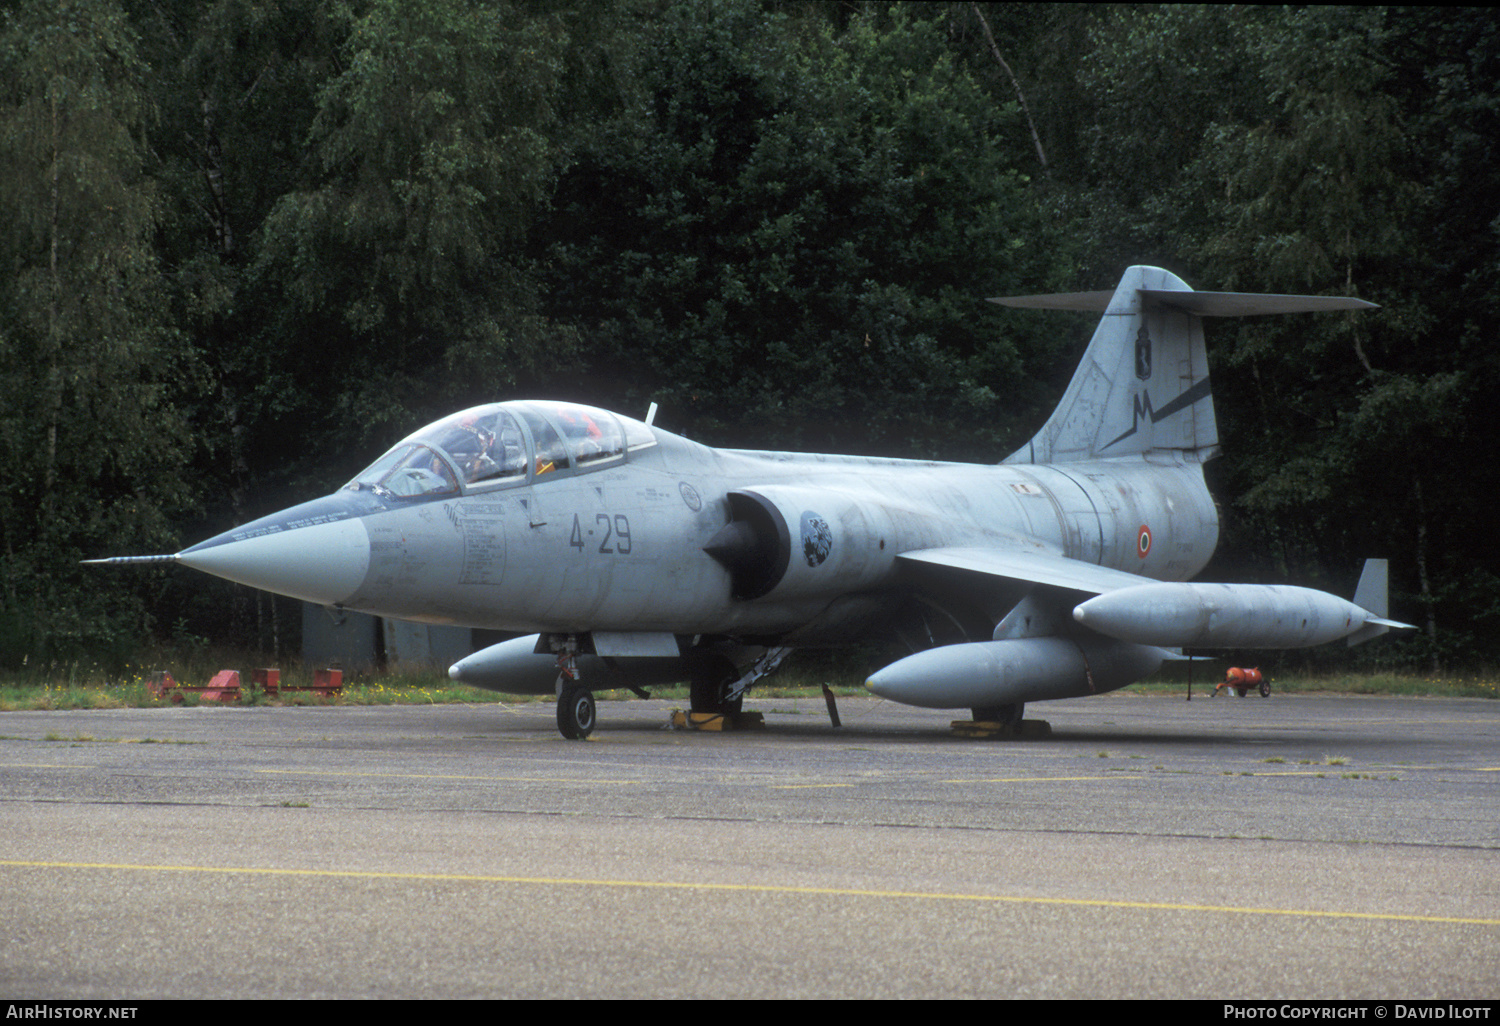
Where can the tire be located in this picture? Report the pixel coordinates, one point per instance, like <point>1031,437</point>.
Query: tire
<point>712,674</point>
<point>707,696</point>
<point>576,714</point>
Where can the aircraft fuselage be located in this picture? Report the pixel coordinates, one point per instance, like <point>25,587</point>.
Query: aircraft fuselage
<point>622,548</point>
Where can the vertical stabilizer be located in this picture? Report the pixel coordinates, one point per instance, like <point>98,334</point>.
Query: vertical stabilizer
<point>1372,594</point>
<point>1143,382</point>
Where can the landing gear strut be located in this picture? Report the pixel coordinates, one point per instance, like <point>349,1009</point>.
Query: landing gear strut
<point>1008,715</point>
<point>716,685</point>
<point>576,712</point>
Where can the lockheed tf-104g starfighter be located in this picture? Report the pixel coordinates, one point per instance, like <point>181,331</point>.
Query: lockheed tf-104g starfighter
<point>628,555</point>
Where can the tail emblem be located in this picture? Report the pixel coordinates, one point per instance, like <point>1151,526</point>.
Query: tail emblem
<point>1141,410</point>
<point>1142,354</point>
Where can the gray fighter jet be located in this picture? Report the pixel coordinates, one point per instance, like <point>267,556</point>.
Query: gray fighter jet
<point>630,556</point>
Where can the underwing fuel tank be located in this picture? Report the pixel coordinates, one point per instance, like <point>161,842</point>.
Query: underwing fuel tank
<point>516,668</point>
<point>1224,616</point>
<point>990,673</point>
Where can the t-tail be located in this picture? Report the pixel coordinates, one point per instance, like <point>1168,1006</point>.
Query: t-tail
<point>1142,385</point>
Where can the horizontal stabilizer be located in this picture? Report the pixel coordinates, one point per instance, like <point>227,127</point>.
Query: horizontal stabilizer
<point>1091,302</point>
<point>1203,304</point>
<point>1251,304</point>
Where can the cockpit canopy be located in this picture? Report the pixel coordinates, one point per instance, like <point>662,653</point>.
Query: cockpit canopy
<point>503,444</point>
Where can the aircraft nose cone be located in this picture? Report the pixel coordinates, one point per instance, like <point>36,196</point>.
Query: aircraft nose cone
<point>323,563</point>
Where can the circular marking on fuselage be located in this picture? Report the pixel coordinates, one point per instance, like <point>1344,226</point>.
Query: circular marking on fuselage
<point>1143,542</point>
<point>817,538</point>
<point>690,496</point>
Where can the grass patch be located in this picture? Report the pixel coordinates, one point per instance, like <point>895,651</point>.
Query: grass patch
<point>81,685</point>
<point>1173,680</point>
<point>71,696</point>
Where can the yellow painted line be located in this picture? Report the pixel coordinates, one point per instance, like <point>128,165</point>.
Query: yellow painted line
<point>445,776</point>
<point>1325,771</point>
<point>840,892</point>
<point>1135,775</point>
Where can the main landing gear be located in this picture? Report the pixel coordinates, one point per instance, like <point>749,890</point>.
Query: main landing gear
<point>710,686</point>
<point>1001,721</point>
<point>1005,715</point>
<point>717,689</point>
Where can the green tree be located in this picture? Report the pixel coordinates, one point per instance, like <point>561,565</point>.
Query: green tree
<point>396,262</point>
<point>235,86</point>
<point>789,241</point>
<point>348,184</point>
<point>89,365</point>
<point>1350,159</point>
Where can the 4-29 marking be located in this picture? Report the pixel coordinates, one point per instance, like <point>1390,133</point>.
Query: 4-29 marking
<point>616,529</point>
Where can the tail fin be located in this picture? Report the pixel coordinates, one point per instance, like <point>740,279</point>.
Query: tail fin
<point>1143,383</point>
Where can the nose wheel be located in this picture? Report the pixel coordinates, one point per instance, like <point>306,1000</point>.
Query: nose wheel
<point>576,713</point>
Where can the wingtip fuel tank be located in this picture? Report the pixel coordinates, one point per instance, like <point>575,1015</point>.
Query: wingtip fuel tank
<point>1177,615</point>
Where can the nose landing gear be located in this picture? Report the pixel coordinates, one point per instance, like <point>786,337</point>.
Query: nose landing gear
<point>576,712</point>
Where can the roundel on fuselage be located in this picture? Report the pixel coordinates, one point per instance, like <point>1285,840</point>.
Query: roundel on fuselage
<point>817,538</point>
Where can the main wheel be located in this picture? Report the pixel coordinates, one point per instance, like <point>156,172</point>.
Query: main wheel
<point>709,696</point>
<point>576,713</point>
<point>712,674</point>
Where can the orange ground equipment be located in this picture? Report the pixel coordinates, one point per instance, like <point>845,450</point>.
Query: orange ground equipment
<point>225,686</point>
<point>1239,680</point>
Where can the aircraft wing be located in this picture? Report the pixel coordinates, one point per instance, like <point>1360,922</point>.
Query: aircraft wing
<point>1031,567</point>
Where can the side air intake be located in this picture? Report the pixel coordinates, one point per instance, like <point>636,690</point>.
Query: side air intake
<point>755,546</point>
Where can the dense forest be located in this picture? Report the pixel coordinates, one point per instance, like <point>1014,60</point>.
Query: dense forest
<point>245,245</point>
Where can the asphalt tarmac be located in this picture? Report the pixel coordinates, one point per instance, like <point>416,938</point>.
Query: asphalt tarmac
<point>1291,848</point>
